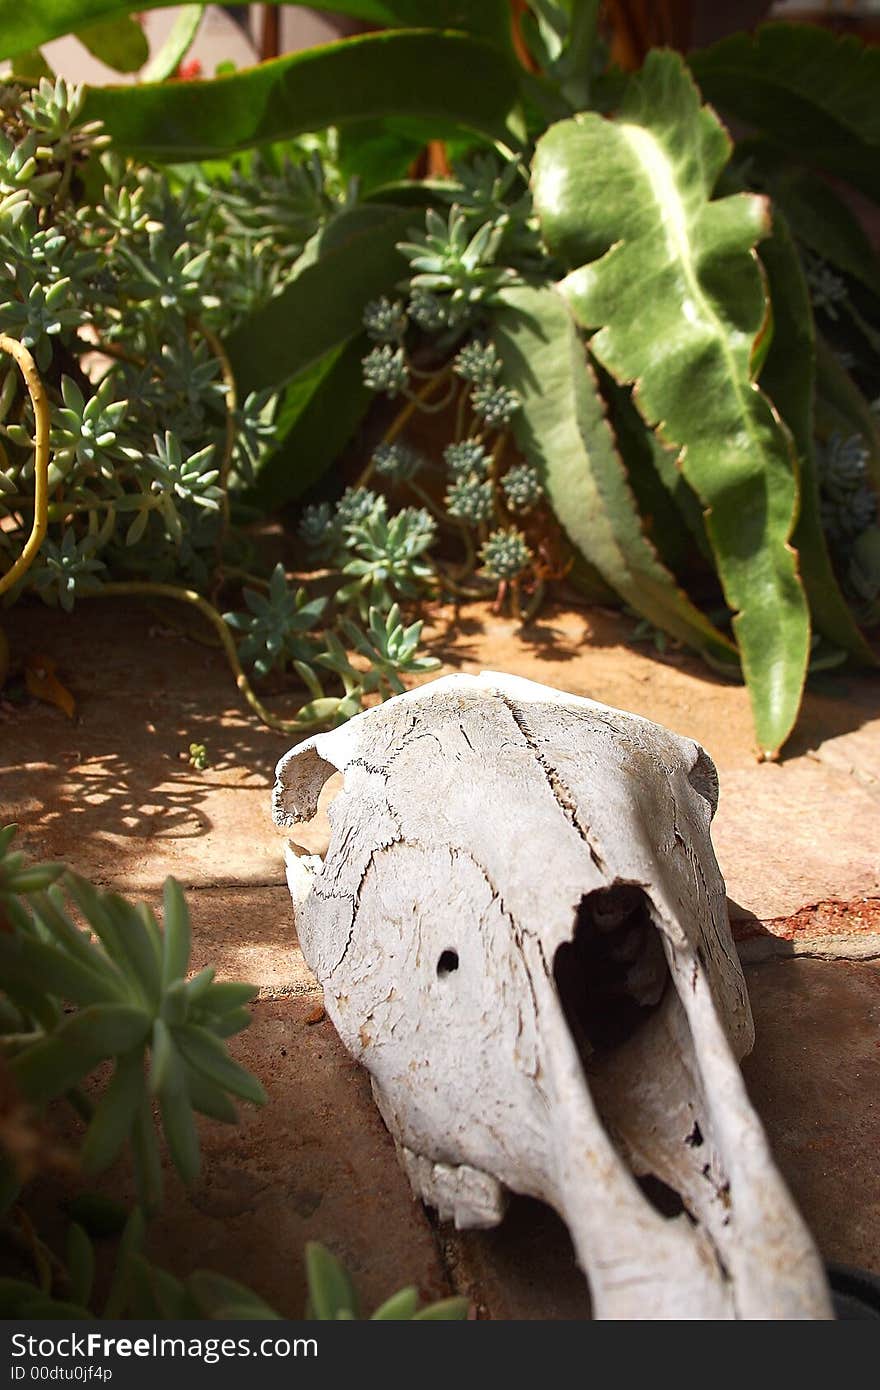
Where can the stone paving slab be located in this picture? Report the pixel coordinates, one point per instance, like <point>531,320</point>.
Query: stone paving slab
<point>113,792</point>
<point>798,842</point>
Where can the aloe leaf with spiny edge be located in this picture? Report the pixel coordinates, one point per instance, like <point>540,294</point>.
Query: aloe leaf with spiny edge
<point>562,429</point>
<point>667,280</point>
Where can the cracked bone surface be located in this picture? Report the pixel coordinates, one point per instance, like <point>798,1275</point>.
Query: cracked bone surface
<point>521,931</point>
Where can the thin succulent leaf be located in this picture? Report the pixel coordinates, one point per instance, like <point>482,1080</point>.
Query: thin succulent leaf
<point>100,1216</point>
<point>841,406</point>
<point>130,1245</point>
<point>788,377</point>
<point>53,1065</point>
<point>50,912</point>
<point>115,1113</point>
<point>563,432</point>
<point>668,278</point>
<point>219,1297</point>
<point>331,1292</point>
<point>209,1098</point>
<point>320,310</point>
<point>36,22</point>
<point>80,1264</point>
<point>146,1158</point>
<point>176,940</point>
<point>237,1019</point>
<point>15,1294</point>
<point>157,1294</point>
<point>445,76</point>
<point>205,1053</point>
<point>29,962</point>
<point>163,1056</point>
<point>810,92</point>
<point>320,410</point>
<point>120,42</point>
<point>42,1306</point>
<point>176,46</point>
<point>224,995</point>
<point>178,1120</point>
<point>400,1307</point>
<point>141,945</point>
<point>92,906</point>
<point>197,985</point>
<point>445,1310</point>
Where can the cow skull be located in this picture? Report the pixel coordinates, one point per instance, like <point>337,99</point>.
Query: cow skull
<point>521,931</point>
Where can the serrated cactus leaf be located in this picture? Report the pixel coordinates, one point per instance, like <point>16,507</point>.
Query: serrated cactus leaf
<point>668,279</point>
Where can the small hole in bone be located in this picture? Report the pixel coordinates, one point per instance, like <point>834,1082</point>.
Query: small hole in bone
<point>695,1138</point>
<point>447,963</point>
<point>313,836</point>
<point>613,972</point>
<point>663,1198</point>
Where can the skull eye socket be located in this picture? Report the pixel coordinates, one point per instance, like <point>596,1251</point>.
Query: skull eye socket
<point>447,963</point>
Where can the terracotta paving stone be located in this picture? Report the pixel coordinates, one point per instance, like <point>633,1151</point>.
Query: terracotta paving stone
<point>799,843</point>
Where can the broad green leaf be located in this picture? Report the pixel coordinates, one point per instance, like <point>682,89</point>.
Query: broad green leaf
<point>320,411</point>
<point>178,43</point>
<point>115,1113</point>
<point>563,431</point>
<point>450,78</point>
<point>810,92</point>
<point>31,65</point>
<point>119,42</point>
<point>34,22</point>
<point>669,280</point>
<point>321,308</point>
<point>53,1065</point>
<point>788,377</point>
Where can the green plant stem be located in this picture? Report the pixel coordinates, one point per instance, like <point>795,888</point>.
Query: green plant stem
<point>143,588</point>
<point>231,389</point>
<point>531,609</point>
<point>32,380</point>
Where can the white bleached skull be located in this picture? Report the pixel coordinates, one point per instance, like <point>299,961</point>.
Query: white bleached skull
<point>521,931</point>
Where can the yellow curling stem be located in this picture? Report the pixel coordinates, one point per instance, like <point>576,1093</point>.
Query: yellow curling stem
<point>28,368</point>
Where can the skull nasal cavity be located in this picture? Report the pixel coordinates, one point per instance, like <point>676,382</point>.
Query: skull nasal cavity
<point>613,973</point>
